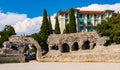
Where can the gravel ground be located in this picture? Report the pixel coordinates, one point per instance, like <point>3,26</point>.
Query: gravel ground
<point>60,66</point>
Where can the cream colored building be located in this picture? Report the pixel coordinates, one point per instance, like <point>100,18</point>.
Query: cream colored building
<point>86,20</point>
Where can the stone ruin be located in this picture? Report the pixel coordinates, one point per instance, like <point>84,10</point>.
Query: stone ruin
<point>60,42</point>
<point>75,41</point>
<point>17,44</point>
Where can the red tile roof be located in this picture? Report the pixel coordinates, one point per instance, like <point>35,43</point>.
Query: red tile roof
<point>117,13</point>
<point>88,11</point>
<point>91,12</point>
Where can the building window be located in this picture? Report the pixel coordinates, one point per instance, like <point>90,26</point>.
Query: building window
<point>81,21</point>
<point>66,21</point>
<point>101,16</point>
<point>66,15</point>
<point>62,14</point>
<point>80,15</point>
<point>95,16</point>
<point>88,16</point>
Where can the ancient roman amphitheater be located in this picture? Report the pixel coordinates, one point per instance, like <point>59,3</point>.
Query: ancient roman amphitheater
<point>77,47</point>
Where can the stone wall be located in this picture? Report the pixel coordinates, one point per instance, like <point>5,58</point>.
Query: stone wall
<point>11,58</point>
<point>83,38</point>
<point>98,54</point>
<point>16,45</point>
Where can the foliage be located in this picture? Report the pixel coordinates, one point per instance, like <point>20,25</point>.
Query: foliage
<point>44,30</point>
<point>57,27</point>
<point>6,33</point>
<point>110,27</point>
<point>72,21</point>
<point>50,26</point>
<point>36,37</point>
<point>66,30</point>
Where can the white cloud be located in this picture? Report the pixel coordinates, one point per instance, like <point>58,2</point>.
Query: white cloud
<point>115,7</point>
<point>28,26</point>
<point>21,23</point>
<point>10,19</point>
<point>25,25</point>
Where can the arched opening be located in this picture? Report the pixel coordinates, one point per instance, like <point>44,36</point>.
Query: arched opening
<point>44,47</point>
<point>54,47</point>
<point>30,52</point>
<point>65,48</point>
<point>86,45</point>
<point>93,46</point>
<point>75,47</point>
<point>107,43</point>
<point>14,47</point>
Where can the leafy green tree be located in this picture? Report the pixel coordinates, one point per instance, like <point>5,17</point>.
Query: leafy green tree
<point>6,33</point>
<point>50,26</point>
<point>110,27</point>
<point>72,21</point>
<point>36,37</point>
<point>57,27</point>
<point>104,28</point>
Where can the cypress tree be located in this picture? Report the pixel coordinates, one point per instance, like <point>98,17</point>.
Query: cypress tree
<point>72,22</point>
<point>44,30</point>
<point>57,28</point>
<point>66,30</point>
<point>50,26</point>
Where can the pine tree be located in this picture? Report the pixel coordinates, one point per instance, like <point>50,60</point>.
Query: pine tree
<point>57,28</point>
<point>50,26</point>
<point>72,23</point>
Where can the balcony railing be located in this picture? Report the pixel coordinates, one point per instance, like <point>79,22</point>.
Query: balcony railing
<point>81,20</point>
<point>89,20</point>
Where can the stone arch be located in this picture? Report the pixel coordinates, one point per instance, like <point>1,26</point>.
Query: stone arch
<point>75,46</point>
<point>54,47</point>
<point>107,43</point>
<point>86,45</point>
<point>65,48</point>
<point>39,51</point>
<point>20,42</point>
<point>30,52</point>
<point>14,47</point>
<point>93,46</point>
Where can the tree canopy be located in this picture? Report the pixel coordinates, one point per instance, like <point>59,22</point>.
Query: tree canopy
<point>44,30</point>
<point>110,27</point>
<point>71,26</point>
<point>72,21</point>
<point>6,33</point>
<point>66,30</point>
<point>57,27</point>
<point>50,26</point>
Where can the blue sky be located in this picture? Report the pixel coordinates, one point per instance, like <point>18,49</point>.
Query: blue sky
<point>26,15</point>
<point>34,8</point>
